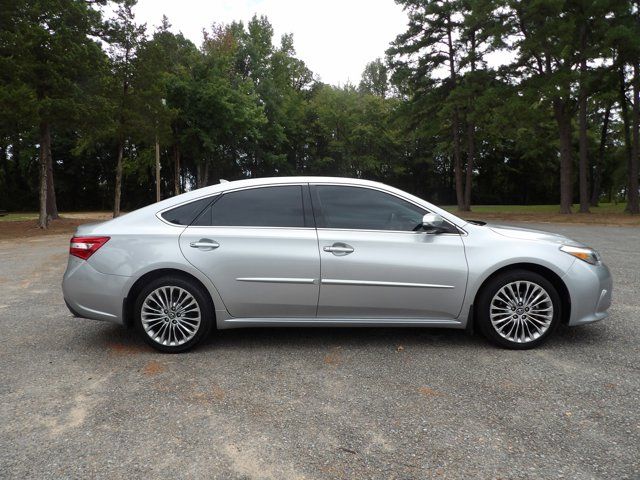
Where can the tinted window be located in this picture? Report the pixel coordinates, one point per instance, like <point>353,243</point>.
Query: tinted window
<point>257,207</point>
<point>185,214</point>
<point>366,209</point>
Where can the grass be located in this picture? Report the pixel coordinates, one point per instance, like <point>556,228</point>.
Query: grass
<point>604,214</point>
<point>603,208</point>
<point>17,217</point>
<point>27,216</point>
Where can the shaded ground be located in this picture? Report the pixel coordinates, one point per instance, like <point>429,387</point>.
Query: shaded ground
<point>20,225</point>
<point>83,399</point>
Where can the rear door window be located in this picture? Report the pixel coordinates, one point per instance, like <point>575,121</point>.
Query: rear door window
<point>278,206</point>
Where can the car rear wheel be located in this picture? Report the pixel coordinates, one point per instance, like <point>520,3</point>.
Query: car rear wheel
<point>518,309</point>
<point>173,314</point>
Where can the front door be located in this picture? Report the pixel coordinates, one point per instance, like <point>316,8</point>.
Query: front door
<point>376,263</point>
<point>260,251</point>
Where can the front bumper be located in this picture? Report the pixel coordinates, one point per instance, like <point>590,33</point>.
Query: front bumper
<point>590,289</point>
<point>91,294</point>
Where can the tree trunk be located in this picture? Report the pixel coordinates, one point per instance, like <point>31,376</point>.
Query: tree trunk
<point>457,162</point>
<point>157,169</point>
<point>5,167</point>
<point>632,201</point>
<point>118,186</point>
<point>563,119</point>
<point>205,176</point>
<point>121,136</point>
<point>43,220</point>
<point>52,205</point>
<point>199,175</point>
<point>624,113</point>
<point>471,147</point>
<point>455,124</point>
<point>583,165</point>
<point>471,134</point>
<point>596,179</point>
<point>176,167</point>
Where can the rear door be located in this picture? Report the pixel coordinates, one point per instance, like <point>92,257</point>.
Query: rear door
<point>376,262</point>
<point>259,248</point>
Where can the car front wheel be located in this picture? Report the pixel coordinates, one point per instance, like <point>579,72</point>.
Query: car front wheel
<point>173,314</point>
<point>518,309</point>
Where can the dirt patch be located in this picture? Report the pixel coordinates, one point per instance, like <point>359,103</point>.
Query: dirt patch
<point>153,368</point>
<point>429,392</point>
<point>216,394</point>
<point>29,228</point>
<point>333,358</point>
<point>121,349</point>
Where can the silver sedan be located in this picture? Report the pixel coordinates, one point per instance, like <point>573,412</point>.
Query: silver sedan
<point>316,251</point>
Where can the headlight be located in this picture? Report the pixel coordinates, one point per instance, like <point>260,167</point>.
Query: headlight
<point>589,255</point>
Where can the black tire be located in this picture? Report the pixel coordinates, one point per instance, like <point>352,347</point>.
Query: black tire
<point>485,297</point>
<point>202,299</point>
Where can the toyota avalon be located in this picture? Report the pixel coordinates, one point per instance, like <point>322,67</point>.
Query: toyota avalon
<point>316,251</point>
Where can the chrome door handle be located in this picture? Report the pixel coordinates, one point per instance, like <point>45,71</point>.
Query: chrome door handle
<point>338,249</point>
<point>205,244</point>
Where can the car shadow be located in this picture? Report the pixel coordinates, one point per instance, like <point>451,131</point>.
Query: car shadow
<point>328,337</point>
<point>126,340</point>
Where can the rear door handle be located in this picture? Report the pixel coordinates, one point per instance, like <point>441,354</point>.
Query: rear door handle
<point>205,244</point>
<point>338,249</point>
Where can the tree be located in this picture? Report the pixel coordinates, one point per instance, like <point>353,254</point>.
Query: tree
<point>431,42</point>
<point>434,118</point>
<point>623,37</point>
<point>47,54</point>
<point>374,79</point>
<point>547,57</point>
<point>124,37</point>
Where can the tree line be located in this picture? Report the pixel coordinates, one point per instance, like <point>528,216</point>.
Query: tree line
<point>477,101</point>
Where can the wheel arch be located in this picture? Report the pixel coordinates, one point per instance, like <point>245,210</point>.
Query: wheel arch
<point>550,275</point>
<point>128,302</point>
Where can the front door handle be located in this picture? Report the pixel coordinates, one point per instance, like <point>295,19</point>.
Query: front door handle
<point>205,244</point>
<point>338,249</point>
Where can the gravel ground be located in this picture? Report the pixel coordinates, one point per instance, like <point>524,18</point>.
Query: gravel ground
<point>82,399</point>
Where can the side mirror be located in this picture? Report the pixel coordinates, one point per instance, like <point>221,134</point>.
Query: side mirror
<point>433,223</point>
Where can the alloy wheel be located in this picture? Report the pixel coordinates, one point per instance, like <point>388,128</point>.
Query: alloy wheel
<point>170,316</point>
<point>521,311</point>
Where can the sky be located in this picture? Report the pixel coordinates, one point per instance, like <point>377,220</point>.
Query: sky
<point>335,38</point>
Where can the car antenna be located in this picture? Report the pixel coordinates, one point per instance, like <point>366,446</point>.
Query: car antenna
<point>222,180</point>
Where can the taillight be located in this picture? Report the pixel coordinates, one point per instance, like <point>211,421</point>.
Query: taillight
<point>84,247</point>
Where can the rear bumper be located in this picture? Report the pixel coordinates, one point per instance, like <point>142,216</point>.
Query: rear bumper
<point>91,294</point>
<point>590,288</point>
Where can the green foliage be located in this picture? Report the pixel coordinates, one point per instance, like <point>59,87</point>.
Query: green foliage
<point>244,105</point>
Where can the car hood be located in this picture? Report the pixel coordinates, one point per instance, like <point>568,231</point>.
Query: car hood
<point>530,234</point>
